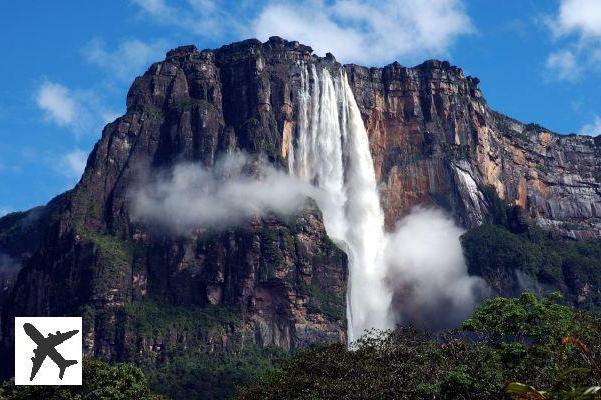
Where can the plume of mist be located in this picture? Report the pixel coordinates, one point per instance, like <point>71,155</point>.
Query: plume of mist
<point>190,196</point>
<point>427,271</point>
<point>9,268</point>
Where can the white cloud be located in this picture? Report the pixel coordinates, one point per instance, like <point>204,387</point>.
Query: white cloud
<point>130,57</point>
<point>366,31</point>
<point>155,7</point>
<point>582,17</point>
<point>4,211</point>
<point>57,102</point>
<point>577,24</point>
<point>361,31</point>
<point>73,163</point>
<point>564,65</point>
<point>190,196</point>
<point>205,18</point>
<point>77,110</point>
<point>592,129</point>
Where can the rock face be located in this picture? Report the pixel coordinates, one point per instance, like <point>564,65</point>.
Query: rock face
<point>433,139</point>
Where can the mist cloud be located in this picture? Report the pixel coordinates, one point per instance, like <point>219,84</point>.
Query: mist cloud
<point>427,271</point>
<point>9,268</point>
<point>190,196</point>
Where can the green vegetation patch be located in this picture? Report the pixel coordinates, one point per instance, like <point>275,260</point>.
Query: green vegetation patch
<point>192,360</point>
<point>117,253</point>
<point>190,103</point>
<point>212,376</point>
<point>325,302</point>
<point>101,381</point>
<point>509,243</point>
<point>156,319</point>
<point>506,340</point>
<point>574,267</point>
<point>152,111</point>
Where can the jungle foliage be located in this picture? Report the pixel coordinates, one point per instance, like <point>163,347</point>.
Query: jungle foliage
<point>518,340</point>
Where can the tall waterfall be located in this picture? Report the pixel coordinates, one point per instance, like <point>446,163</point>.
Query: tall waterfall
<point>331,151</point>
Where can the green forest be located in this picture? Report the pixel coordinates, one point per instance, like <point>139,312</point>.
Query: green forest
<point>526,347</point>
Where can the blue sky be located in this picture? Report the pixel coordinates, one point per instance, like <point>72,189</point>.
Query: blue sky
<point>67,65</point>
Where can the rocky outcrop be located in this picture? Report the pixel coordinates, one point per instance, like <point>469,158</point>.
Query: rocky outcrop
<point>433,140</point>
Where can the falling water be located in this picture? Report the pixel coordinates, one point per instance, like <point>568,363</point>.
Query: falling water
<point>331,151</point>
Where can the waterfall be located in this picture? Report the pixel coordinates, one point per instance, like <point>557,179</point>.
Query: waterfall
<point>331,151</point>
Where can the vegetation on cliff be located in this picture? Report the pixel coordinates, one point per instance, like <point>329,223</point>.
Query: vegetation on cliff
<point>513,255</point>
<point>533,260</point>
<point>190,352</point>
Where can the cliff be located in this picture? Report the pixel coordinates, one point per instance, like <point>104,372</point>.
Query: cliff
<point>271,281</point>
<point>435,141</point>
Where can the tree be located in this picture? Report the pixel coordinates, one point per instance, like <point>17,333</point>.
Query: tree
<point>100,381</point>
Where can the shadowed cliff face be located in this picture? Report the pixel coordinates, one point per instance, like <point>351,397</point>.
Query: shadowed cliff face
<point>433,141</point>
